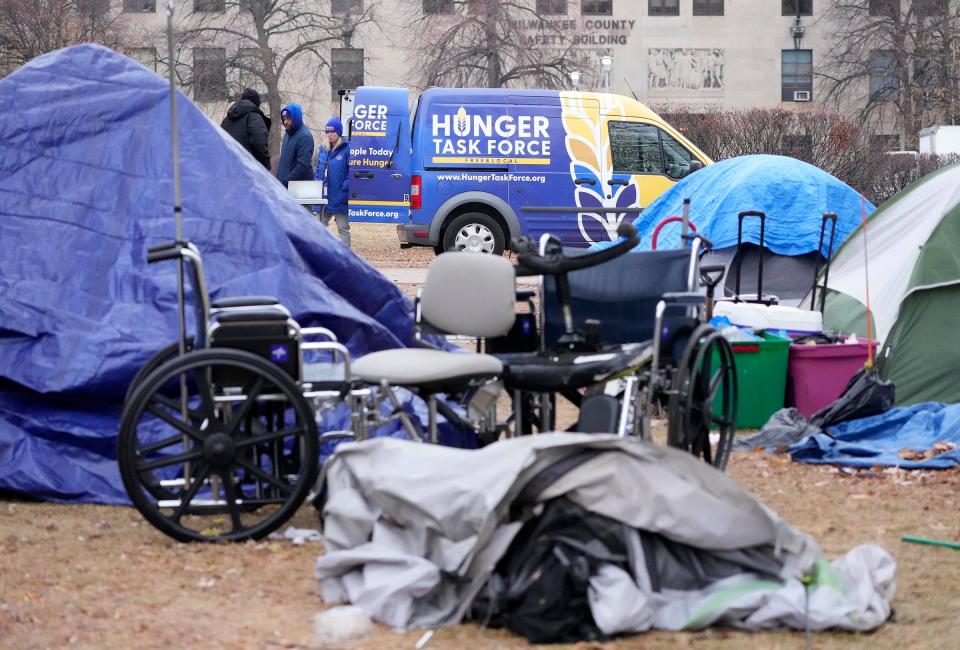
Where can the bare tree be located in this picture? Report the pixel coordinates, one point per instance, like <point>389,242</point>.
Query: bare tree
<point>29,28</point>
<point>491,44</point>
<point>270,43</point>
<point>895,60</point>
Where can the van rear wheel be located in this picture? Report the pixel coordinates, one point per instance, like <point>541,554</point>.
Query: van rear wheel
<point>474,232</point>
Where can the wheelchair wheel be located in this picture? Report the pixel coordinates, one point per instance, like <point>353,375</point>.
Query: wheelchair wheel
<point>703,398</point>
<point>232,461</point>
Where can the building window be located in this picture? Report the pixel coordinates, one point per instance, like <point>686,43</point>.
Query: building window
<point>596,7</point>
<point>209,73</point>
<point>664,7</point>
<point>140,6</point>
<point>707,7</point>
<point>797,8</point>
<point>346,7</point>
<point>796,75</point>
<point>545,7</point>
<point>208,6</point>
<point>93,7</point>
<point>883,75</point>
<point>146,56</point>
<point>884,7</point>
<point>346,70</point>
<point>438,6</point>
<point>931,7</point>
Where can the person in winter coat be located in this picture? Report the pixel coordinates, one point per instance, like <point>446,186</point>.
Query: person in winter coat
<point>296,152</point>
<point>332,168</point>
<point>249,126</point>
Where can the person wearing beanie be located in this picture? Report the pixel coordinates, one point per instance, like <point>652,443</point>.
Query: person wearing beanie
<point>249,126</point>
<point>333,163</point>
<point>296,152</point>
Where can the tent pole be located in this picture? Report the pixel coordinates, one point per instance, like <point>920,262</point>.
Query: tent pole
<point>178,219</point>
<point>177,210</point>
<point>866,279</point>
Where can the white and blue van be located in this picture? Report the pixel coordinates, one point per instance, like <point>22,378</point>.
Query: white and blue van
<point>474,168</point>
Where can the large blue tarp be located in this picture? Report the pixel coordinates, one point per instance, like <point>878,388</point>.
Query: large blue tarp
<point>878,440</point>
<point>793,195</point>
<point>85,187</point>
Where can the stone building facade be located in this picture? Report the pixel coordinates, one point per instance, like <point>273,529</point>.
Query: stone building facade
<point>694,54</point>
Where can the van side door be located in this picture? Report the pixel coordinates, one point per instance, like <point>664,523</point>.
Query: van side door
<point>379,174</point>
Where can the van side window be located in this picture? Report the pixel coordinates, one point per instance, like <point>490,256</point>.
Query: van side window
<point>675,155</point>
<point>635,148</point>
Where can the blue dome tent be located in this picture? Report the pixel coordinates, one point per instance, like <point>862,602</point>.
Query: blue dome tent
<point>793,195</point>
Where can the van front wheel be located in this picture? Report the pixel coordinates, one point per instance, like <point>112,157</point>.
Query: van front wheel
<point>474,232</point>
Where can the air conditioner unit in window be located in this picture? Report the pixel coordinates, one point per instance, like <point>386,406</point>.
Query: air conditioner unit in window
<point>801,95</point>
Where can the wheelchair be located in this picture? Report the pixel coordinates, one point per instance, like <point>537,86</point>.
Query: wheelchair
<point>219,437</point>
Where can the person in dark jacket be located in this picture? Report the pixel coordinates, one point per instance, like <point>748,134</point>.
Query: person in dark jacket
<point>296,152</point>
<point>332,166</point>
<point>249,126</point>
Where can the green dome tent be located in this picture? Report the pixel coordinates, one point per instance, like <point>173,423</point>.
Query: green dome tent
<point>913,242</point>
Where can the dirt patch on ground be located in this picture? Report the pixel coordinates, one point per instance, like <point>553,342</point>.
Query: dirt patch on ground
<point>101,577</point>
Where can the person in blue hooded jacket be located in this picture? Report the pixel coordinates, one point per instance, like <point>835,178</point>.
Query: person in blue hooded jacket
<point>332,168</point>
<point>296,152</point>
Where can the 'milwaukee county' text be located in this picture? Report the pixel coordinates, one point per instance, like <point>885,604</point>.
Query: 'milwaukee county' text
<point>568,32</point>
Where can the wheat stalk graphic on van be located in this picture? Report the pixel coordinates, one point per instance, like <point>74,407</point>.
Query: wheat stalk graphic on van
<point>590,157</point>
<point>474,168</point>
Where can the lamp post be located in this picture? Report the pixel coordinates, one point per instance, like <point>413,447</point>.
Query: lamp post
<point>797,31</point>
<point>606,63</point>
<point>575,79</point>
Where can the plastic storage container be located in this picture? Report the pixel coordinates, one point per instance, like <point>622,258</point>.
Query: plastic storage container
<point>775,317</point>
<point>761,379</point>
<point>817,374</point>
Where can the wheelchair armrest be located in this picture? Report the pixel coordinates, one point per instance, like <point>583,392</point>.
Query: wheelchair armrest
<point>253,315</point>
<point>245,301</point>
<point>682,299</point>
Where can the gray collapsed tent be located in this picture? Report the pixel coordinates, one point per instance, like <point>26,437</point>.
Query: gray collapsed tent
<point>413,532</point>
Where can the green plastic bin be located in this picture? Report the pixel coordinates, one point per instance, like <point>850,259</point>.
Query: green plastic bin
<point>761,379</point>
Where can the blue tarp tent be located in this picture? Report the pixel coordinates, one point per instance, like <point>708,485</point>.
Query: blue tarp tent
<point>793,194</point>
<point>85,187</point>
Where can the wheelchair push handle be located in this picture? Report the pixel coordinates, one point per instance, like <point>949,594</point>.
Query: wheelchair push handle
<point>166,251</point>
<point>710,276</point>
<point>531,263</point>
<point>170,250</point>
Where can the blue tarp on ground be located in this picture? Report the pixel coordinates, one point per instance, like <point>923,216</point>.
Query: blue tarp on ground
<point>85,187</point>
<point>793,194</point>
<point>878,440</point>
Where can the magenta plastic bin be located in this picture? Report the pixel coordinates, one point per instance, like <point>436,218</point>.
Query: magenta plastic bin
<point>817,374</point>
